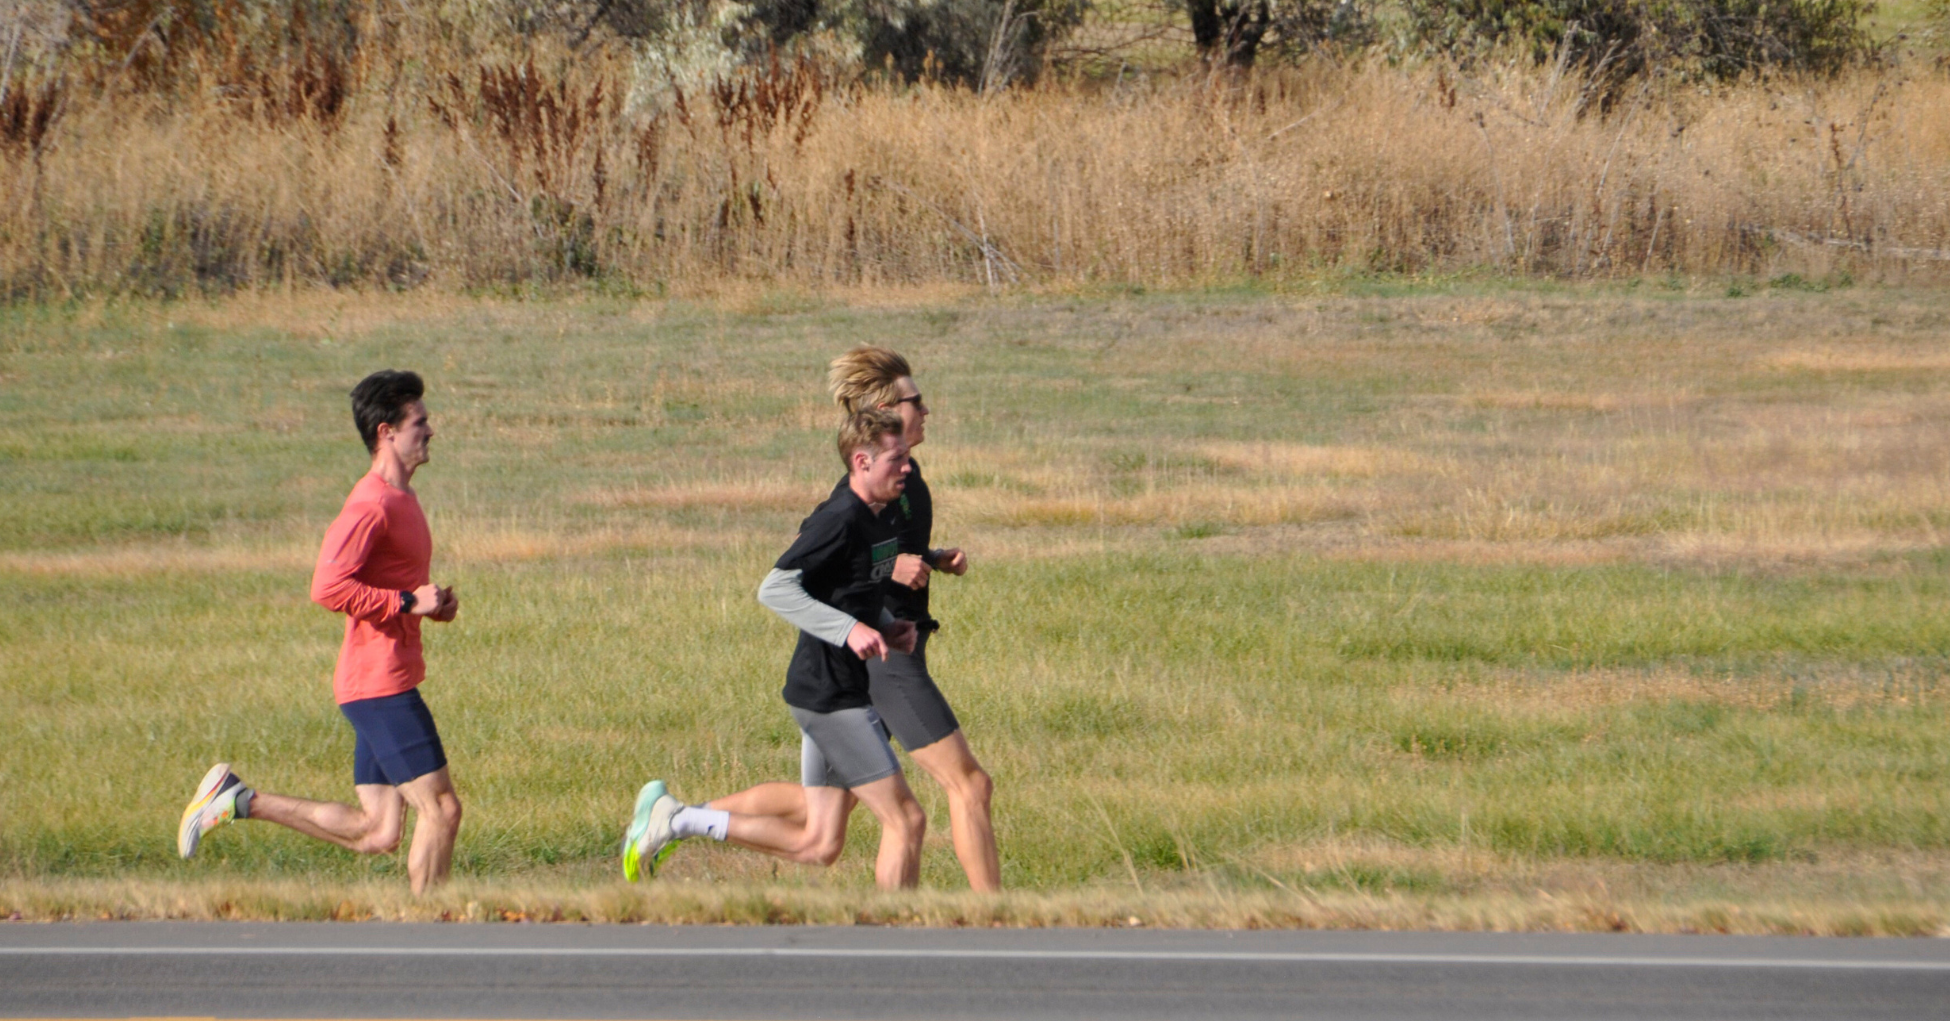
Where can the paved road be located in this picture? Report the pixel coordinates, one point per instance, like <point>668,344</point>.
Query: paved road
<point>378,970</point>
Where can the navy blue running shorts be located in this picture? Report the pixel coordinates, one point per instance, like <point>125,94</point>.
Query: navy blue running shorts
<point>397,741</point>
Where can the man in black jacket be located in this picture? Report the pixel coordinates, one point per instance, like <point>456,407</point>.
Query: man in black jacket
<point>830,585</point>
<point>904,692</point>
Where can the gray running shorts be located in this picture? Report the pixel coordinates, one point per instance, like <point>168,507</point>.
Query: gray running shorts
<point>845,749</point>
<point>913,708</point>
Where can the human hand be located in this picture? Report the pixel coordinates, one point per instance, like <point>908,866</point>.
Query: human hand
<point>912,571</point>
<point>449,606</point>
<point>954,561</point>
<point>426,599</point>
<point>866,643</point>
<point>900,636</point>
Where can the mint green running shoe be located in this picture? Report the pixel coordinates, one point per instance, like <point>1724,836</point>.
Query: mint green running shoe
<point>649,840</point>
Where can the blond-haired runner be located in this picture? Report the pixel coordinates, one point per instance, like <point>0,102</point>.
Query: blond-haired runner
<point>829,586</point>
<point>904,692</point>
<point>373,567</point>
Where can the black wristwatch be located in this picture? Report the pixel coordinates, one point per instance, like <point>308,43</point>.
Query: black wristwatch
<point>406,601</point>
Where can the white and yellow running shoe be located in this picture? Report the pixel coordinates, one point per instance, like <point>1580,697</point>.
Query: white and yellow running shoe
<point>215,803</point>
<point>649,840</point>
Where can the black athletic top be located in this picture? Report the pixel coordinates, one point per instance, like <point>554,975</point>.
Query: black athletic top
<point>845,552</point>
<point>913,517</point>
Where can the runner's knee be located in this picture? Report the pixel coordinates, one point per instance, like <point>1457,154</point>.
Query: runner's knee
<point>381,836</point>
<point>444,811</point>
<point>912,819</point>
<point>825,851</point>
<point>975,786</point>
<point>817,848</point>
<point>967,782</point>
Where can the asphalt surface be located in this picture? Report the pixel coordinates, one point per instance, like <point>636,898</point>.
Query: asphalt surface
<point>381,970</point>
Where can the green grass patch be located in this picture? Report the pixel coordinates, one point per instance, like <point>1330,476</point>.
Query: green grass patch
<point>1256,579</point>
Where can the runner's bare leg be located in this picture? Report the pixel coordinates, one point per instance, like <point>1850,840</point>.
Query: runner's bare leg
<point>823,835</point>
<point>370,827</point>
<point>969,789</point>
<point>436,822</point>
<point>953,765</point>
<point>784,800</point>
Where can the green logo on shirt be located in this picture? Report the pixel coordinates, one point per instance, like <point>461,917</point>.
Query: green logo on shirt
<point>883,558</point>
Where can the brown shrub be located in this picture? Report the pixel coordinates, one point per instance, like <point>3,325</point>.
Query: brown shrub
<point>539,170</point>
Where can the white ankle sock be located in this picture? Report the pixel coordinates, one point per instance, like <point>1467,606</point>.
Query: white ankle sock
<point>694,821</point>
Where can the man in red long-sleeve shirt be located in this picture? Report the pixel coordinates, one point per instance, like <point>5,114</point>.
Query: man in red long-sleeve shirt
<point>374,568</point>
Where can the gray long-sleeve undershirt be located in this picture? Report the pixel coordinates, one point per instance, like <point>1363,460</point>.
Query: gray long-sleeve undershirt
<point>784,593</point>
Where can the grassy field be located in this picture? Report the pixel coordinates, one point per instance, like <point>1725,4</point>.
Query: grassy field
<point>1453,603</point>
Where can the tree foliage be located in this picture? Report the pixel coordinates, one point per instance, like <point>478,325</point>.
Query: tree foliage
<point>1236,32</point>
<point>970,41</point>
<point>1624,38</point>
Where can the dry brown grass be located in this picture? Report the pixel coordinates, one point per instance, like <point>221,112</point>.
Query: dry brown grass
<point>1847,895</point>
<point>154,559</point>
<point>471,173</point>
<point>769,494</point>
<point>508,544</point>
<point>1567,694</point>
<point>1300,460</point>
<point>1830,360</point>
<point>471,542</point>
<point>1245,508</point>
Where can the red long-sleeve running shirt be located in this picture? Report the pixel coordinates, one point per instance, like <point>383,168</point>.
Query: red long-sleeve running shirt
<point>377,548</point>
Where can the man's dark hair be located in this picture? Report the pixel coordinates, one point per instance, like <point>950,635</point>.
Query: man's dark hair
<point>383,397</point>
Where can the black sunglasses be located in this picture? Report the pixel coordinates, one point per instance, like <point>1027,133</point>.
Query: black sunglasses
<point>915,399</point>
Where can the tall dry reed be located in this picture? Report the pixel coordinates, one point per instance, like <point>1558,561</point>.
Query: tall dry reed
<point>524,171</point>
